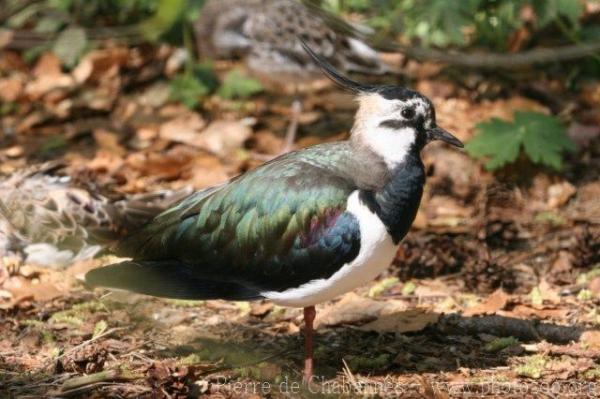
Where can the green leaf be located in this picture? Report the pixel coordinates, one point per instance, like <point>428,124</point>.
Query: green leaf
<point>439,22</point>
<point>238,85</point>
<point>189,87</point>
<point>496,140</point>
<point>572,9</point>
<point>188,90</point>
<point>549,10</point>
<point>69,45</point>
<point>543,139</point>
<point>167,13</point>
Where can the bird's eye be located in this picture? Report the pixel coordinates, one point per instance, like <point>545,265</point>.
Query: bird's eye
<point>408,113</point>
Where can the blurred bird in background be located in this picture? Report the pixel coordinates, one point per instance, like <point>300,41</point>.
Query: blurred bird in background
<point>268,35</point>
<point>54,220</point>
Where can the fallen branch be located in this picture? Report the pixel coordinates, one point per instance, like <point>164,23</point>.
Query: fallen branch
<point>524,330</point>
<point>504,60</point>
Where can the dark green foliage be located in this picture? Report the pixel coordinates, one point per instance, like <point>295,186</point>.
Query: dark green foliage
<point>462,23</point>
<point>74,25</point>
<point>238,85</point>
<point>52,15</point>
<point>550,10</point>
<point>542,138</point>
<point>167,13</point>
<point>189,87</point>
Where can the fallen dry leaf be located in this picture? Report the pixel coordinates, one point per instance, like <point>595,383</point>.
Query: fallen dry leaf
<point>560,193</point>
<point>526,311</point>
<point>260,309</point>
<point>95,64</point>
<point>496,301</point>
<point>594,285</point>
<point>224,137</point>
<point>22,288</point>
<point>108,141</point>
<point>264,141</point>
<point>48,76</point>
<point>548,292</point>
<point>355,309</point>
<point>404,321</point>
<point>206,170</point>
<point>10,89</point>
<point>183,129</point>
<point>591,339</point>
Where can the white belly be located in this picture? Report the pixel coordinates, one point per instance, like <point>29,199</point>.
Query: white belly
<point>377,250</point>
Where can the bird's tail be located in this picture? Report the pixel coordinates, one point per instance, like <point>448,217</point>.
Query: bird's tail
<point>168,279</point>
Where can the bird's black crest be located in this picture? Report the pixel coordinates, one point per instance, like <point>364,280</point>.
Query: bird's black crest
<point>388,92</point>
<point>335,75</point>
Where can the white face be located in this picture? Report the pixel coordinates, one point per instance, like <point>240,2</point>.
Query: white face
<point>390,127</point>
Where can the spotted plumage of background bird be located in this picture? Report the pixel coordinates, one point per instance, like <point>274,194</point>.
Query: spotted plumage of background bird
<point>299,230</point>
<point>268,35</point>
<point>56,221</point>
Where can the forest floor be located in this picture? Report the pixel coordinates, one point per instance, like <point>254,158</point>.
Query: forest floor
<point>494,292</point>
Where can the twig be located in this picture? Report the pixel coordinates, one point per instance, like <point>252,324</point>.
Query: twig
<point>524,330</point>
<point>102,376</point>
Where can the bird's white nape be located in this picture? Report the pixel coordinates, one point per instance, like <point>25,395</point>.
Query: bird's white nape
<point>391,144</point>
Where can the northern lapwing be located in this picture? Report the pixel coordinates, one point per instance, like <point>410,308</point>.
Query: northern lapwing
<point>267,35</point>
<point>56,220</point>
<point>301,229</point>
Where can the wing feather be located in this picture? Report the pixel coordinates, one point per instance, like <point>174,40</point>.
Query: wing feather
<point>278,226</point>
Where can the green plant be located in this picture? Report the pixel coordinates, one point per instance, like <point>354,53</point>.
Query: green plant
<point>70,27</point>
<point>463,23</point>
<point>190,86</point>
<point>542,138</point>
<point>51,15</point>
<point>533,367</point>
<point>500,343</point>
<point>238,85</point>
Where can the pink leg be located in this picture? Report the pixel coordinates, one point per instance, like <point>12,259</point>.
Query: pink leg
<point>309,317</point>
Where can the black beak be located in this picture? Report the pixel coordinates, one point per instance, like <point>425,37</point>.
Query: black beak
<point>437,133</point>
